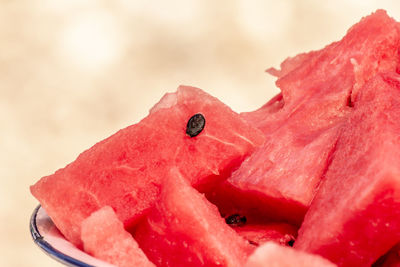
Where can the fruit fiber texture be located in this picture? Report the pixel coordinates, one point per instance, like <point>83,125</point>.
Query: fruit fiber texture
<point>355,216</point>
<point>273,255</point>
<point>125,171</point>
<point>104,237</point>
<point>184,229</point>
<point>302,124</point>
<point>281,233</point>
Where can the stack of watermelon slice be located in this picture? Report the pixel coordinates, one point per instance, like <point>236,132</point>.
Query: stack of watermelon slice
<point>312,178</point>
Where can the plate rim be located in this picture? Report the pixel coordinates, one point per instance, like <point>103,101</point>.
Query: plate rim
<point>40,241</point>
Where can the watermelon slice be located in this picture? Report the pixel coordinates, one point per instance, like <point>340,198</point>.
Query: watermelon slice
<point>369,47</point>
<point>355,216</point>
<point>274,255</point>
<point>125,170</point>
<point>184,229</point>
<point>318,89</point>
<point>390,259</point>
<point>104,237</point>
<point>281,233</point>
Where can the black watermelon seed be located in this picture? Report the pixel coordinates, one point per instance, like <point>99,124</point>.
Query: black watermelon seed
<point>235,220</point>
<point>251,242</point>
<point>291,242</point>
<point>195,125</point>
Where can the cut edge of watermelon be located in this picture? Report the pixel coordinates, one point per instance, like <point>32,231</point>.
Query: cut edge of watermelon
<point>258,207</point>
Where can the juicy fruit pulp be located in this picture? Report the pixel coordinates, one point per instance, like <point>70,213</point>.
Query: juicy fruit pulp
<point>360,196</point>
<point>302,124</point>
<point>185,229</point>
<point>104,237</point>
<point>125,171</point>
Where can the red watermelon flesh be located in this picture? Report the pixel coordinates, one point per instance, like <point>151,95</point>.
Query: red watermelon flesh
<point>286,171</point>
<point>104,237</point>
<point>125,170</point>
<point>369,47</point>
<point>184,229</point>
<point>273,255</point>
<point>267,118</point>
<point>281,233</point>
<point>390,259</point>
<point>255,206</point>
<point>355,216</point>
<point>281,176</point>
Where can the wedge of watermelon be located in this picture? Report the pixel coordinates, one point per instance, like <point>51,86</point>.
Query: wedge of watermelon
<point>355,216</point>
<point>125,170</point>
<point>104,237</point>
<point>281,233</point>
<point>318,88</point>
<point>184,229</point>
<point>369,47</point>
<point>273,255</point>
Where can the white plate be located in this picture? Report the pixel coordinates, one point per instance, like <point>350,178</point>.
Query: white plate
<point>46,235</point>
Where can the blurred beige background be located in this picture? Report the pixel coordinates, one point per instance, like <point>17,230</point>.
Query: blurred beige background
<point>73,72</point>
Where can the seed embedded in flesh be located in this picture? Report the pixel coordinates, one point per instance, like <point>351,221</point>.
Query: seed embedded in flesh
<point>195,125</point>
<point>236,220</point>
<point>253,243</point>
